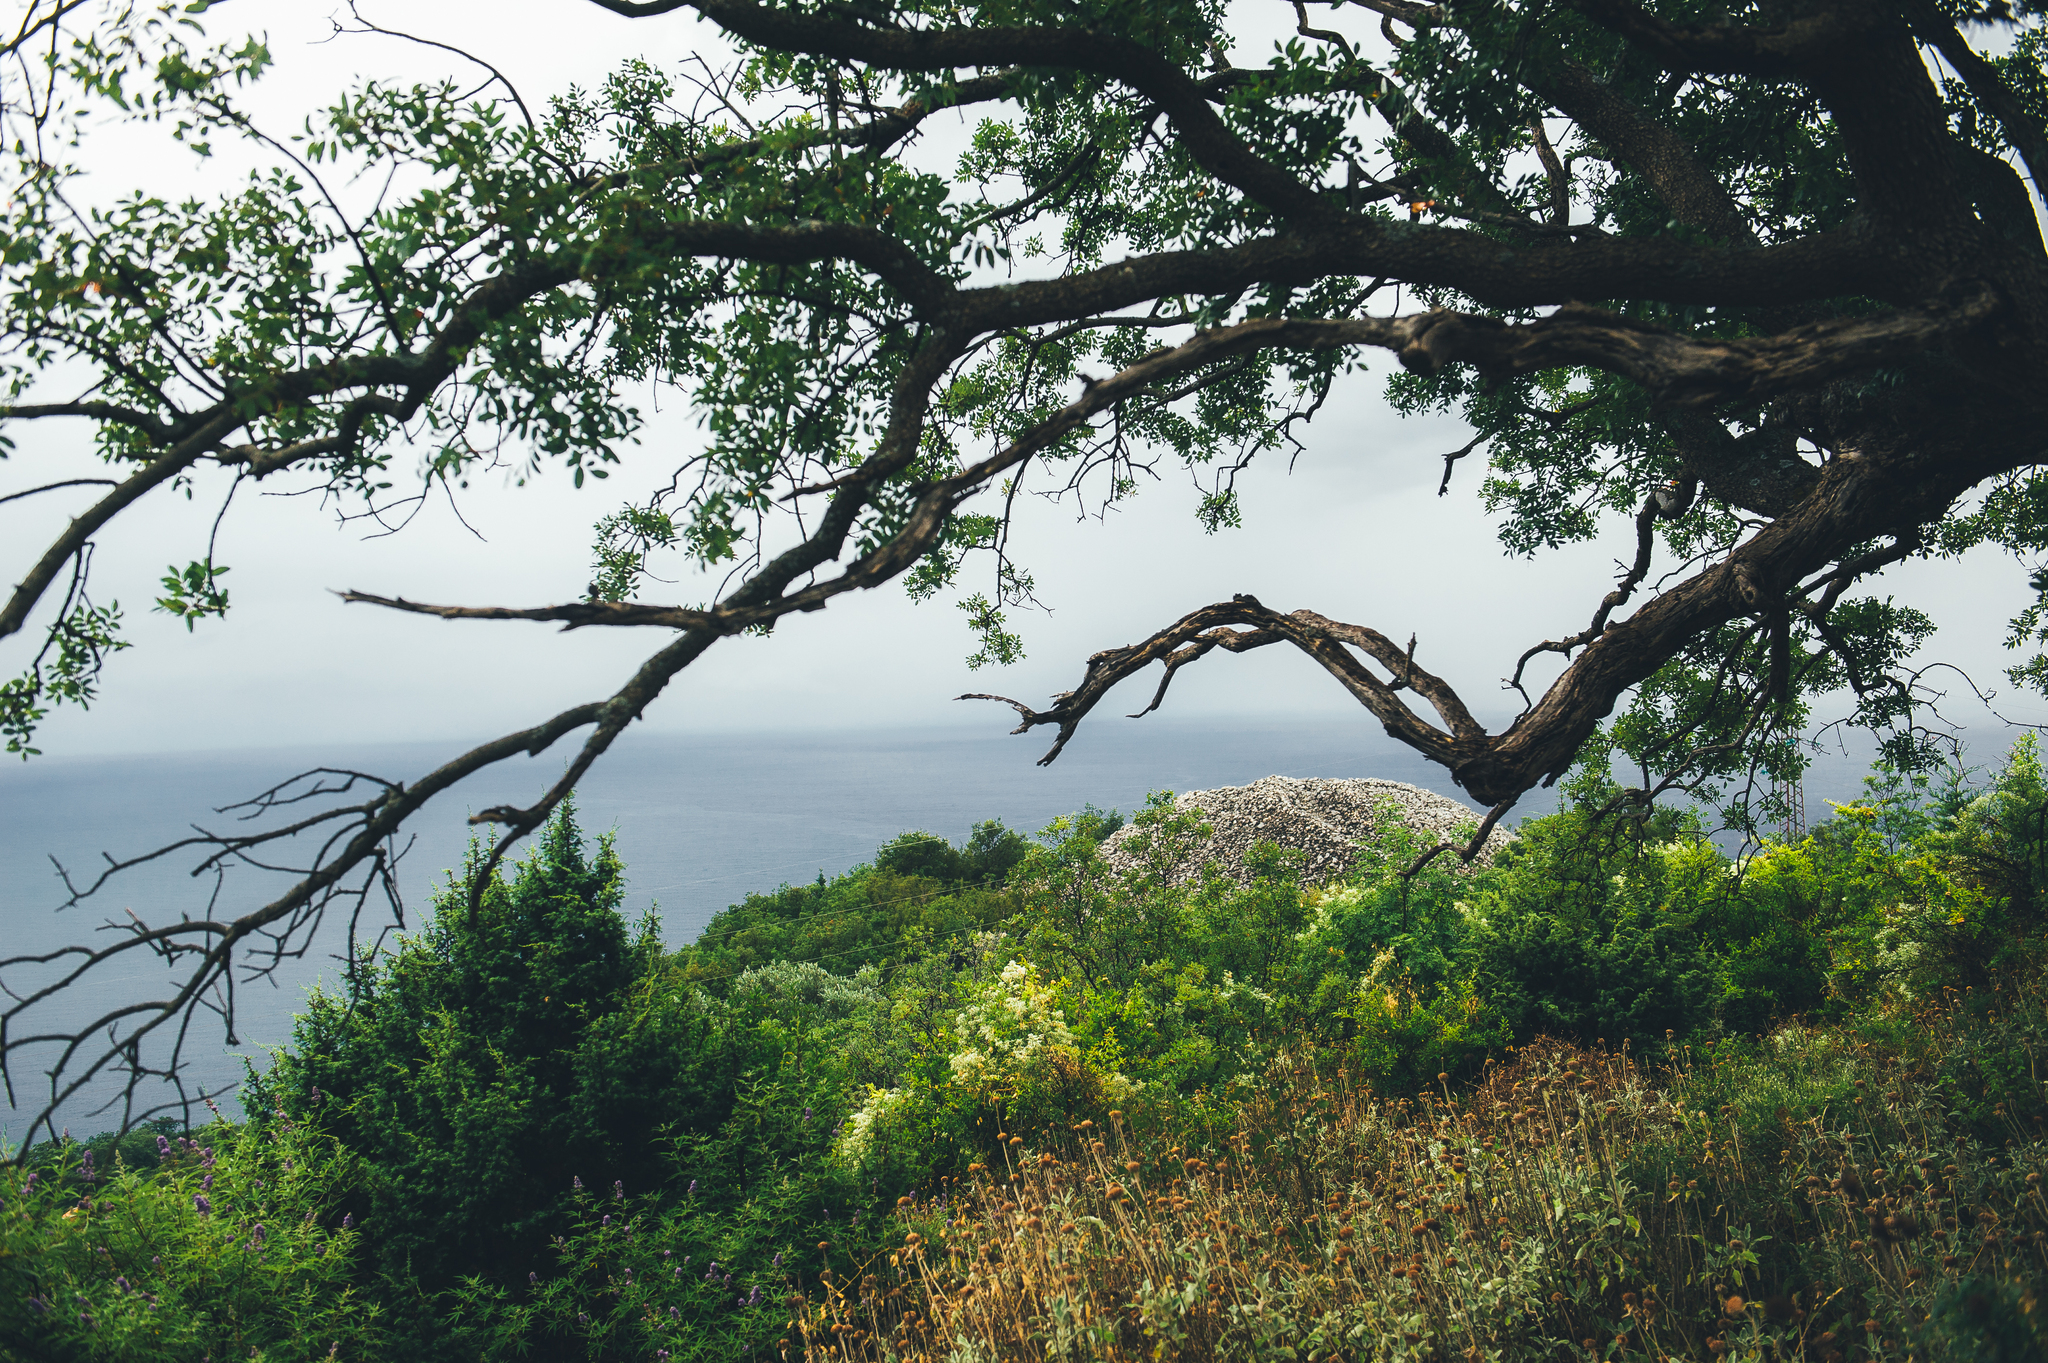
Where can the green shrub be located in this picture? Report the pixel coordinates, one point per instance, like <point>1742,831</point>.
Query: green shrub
<point>227,1244</point>
<point>919,895</point>
<point>1593,932</point>
<point>482,1064</point>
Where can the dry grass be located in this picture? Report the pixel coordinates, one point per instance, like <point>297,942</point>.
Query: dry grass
<point>1572,1206</point>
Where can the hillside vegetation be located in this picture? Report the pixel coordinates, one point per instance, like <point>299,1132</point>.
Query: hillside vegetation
<point>1614,1097</point>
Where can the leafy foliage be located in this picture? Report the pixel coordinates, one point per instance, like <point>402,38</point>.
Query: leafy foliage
<point>555,1135</point>
<point>232,1242</point>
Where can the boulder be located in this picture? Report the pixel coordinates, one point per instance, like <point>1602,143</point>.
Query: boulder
<point>1326,818</point>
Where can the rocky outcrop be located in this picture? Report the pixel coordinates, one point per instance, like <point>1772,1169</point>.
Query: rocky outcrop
<point>1326,818</point>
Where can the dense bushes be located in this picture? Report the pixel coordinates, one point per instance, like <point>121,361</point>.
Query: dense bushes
<point>555,1135</point>
<point>920,894</point>
<point>490,1059</point>
<point>232,1243</point>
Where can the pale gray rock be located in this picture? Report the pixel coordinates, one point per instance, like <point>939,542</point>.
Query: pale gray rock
<point>1325,818</point>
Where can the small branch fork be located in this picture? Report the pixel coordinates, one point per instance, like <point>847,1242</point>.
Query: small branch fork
<point>1631,578</point>
<point>354,839</point>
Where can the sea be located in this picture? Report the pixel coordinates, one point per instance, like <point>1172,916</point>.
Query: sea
<point>699,821</point>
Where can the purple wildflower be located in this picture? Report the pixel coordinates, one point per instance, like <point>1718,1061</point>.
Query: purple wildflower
<point>753,1298</point>
<point>577,1183</point>
<point>618,1190</point>
<point>316,1093</point>
<point>256,1236</point>
<point>807,1114</point>
<point>607,1220</point>
<point>665,1254</point>
<point>728,1281</point>
<point>661,1356</point>
<point>693,1187</point>
<point>629,1277</point>
<point>121,1283</point>
<point>42,1308</point>
<point>533,1278</point>
<point>678,1274</point>
<point>348,1220</point>
<point>29,1186</point>
<point>583,1318</point>
<point>207,1183</point>
<point>778,1258</point>
<point>674,1313</point>
<point>163,1148</point>
<point>201,1205</point>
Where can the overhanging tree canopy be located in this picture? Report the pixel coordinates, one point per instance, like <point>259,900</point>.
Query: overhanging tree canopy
<point>1768,280</point>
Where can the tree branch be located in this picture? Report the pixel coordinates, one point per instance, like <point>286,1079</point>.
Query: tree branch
<point>1854,500</point>
<point>52,487</point>
<point>1734,49</point>
<point>1982,79</point>
<point>1664,160</point>
<point>300,909</point>
<point>156,428</point>
<point>82,527</point>
<point>577,615</point>
<point>1204,134</point>
<point>1631,578</point>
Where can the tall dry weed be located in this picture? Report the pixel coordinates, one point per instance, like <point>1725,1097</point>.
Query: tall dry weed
<point>1572,1205</point>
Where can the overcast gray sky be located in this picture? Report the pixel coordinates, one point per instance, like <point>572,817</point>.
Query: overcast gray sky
<point>1355,531</point>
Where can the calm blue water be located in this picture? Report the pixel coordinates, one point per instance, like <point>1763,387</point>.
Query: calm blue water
<point>700,822</point>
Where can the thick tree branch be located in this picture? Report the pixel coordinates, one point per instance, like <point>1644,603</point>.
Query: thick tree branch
<point>1734,49</point>
<point>1759,471</point>
<point>1196,634</point>
<point>1204,134</point>
<point>1413,15</point>
<point>1857,498</point>
<point>2022,129</point>
<point>1553,169</point>
<point>1669,166</point>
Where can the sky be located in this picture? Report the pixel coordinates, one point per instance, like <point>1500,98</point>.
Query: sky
<point>1355,530</point>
